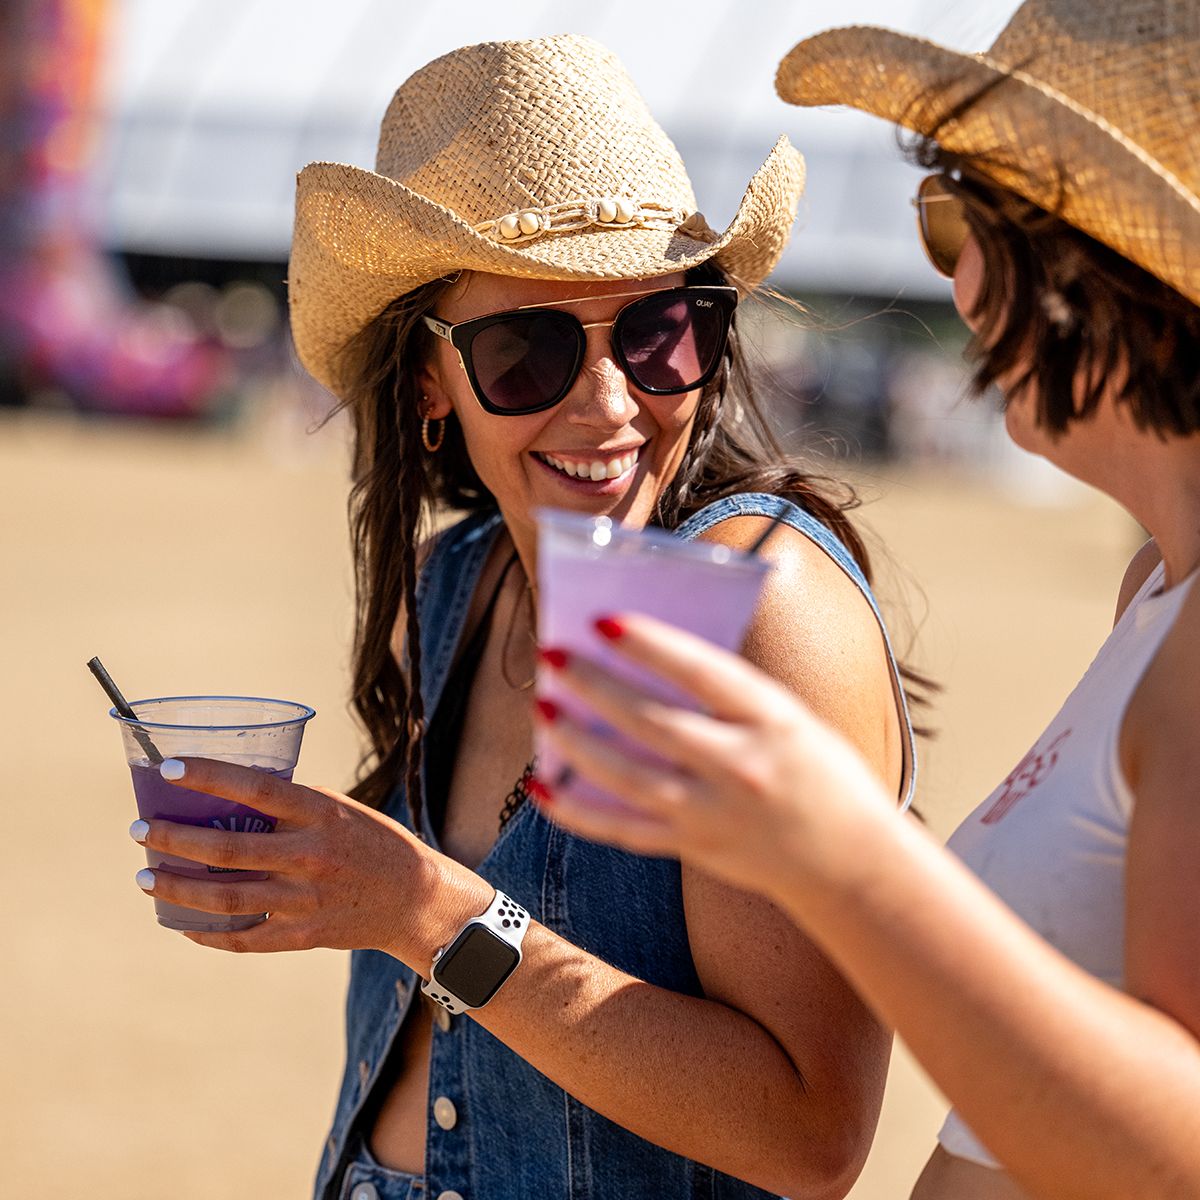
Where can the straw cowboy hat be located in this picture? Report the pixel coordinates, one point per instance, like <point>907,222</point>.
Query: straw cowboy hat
<point>534,158</point>
<point>1088,108</point>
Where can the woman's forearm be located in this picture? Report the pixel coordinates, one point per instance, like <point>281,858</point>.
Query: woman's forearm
<point>691,1075</point>
<point>1081,1090</point>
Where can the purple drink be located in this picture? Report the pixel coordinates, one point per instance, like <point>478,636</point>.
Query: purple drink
<point>262,734</point>
<point>590,567</point>
<point>158,799</point>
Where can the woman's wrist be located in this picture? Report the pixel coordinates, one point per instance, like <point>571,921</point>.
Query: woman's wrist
<point>443,897</point>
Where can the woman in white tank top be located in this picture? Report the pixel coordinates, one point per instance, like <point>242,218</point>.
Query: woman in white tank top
<point>1057,1002</point>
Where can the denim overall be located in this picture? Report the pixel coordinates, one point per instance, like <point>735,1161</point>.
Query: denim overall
<point>513,1134</point>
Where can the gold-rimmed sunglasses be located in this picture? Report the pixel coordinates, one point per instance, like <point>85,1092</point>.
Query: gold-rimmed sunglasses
<point>526,359</point>
<point>941,222</point>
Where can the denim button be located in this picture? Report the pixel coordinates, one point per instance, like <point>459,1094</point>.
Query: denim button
<point>365,1191</point>
<point>450,1196</point>
<point>444,1112</point>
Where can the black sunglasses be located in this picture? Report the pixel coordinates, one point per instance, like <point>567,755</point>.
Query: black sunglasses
<point>941,222</point>
<point>527,359</point>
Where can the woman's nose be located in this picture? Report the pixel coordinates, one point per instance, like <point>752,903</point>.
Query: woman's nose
<point>601,395</point>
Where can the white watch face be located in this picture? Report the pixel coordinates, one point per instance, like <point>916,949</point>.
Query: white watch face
<point>475,964</point>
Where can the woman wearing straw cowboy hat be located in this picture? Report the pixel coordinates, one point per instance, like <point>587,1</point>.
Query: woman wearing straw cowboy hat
<point>522,308</point>
<point>1060,1010</point>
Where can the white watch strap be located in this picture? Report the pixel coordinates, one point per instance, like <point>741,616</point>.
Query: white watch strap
<point>506,919</point>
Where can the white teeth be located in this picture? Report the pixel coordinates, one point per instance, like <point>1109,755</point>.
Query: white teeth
<point>595,471</point>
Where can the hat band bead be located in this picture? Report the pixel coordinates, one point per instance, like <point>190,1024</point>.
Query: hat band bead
<point>607,212</point>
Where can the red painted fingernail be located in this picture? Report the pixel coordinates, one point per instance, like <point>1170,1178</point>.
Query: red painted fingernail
<point>607,627</point>
<point>539,791</point>
<point>547,710</point>
<point>553,657</point>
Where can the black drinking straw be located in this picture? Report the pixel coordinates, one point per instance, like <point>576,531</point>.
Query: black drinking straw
<point>123,707</point>
<point>761,540</point>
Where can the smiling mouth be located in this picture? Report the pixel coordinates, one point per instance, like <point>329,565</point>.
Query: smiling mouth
<point>594,469</point>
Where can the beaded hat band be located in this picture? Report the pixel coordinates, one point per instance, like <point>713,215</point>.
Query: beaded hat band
<point>608,212</point>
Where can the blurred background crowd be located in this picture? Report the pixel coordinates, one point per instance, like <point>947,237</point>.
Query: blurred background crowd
<point>150,148</point>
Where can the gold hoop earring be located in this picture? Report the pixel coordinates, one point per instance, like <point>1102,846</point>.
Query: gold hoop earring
<point>432,446</point>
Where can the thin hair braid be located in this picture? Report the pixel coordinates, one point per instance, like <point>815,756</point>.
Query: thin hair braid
<point>410,492</point>
<point>376,520</point>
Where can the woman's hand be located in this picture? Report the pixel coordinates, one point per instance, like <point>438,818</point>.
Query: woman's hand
<point>753,787</point>
<point>340,874</point>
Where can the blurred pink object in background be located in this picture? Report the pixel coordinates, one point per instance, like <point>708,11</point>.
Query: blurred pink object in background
<point>70,323</point>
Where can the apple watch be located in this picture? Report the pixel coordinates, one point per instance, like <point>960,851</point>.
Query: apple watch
<point>471,969</point>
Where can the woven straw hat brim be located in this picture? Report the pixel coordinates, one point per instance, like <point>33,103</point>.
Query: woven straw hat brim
<point>362,239</point>
<point>1033,139</point>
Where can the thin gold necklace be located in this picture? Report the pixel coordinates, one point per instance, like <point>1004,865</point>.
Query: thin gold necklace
<point>519,792</point>
<point>525,596</point>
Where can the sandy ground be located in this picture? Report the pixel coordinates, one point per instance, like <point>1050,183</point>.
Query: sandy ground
<point>139,1066</point>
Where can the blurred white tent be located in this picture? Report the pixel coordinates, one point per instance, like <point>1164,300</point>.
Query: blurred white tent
<point>215,104</point>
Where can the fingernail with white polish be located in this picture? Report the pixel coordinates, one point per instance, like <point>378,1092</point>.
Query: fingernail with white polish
<point>145,879</point>
<point>139,831</point>
<point>172,769</point>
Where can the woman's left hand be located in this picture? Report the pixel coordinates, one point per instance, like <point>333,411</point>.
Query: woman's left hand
<point>751,788</point>
<point>341,874</point>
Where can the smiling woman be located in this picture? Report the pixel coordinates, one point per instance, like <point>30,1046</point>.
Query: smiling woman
<point>614,454</point>
<point>522,308</point>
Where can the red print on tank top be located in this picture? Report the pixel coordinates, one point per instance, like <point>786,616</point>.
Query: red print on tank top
<point>1026,775</point>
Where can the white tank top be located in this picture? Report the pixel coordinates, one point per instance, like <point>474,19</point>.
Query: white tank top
<point>1050,840</point>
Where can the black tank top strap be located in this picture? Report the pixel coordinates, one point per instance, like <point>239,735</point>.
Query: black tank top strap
<point>445,729</point>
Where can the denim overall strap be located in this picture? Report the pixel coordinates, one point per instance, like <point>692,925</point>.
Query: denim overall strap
<point>762,504</point>
<point>381,988</point>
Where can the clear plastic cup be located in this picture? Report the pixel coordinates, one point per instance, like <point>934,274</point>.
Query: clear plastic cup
<point>264,734</point>
<point>590,567</point>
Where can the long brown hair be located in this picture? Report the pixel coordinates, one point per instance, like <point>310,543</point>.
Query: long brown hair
<point>398,487</point>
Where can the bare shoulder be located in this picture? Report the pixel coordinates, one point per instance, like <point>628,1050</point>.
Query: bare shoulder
<point>1160,756</point>
<point>1158,733</point>
<point>1140,567</point>
<point>815,631</point>
<point>811,610</point>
